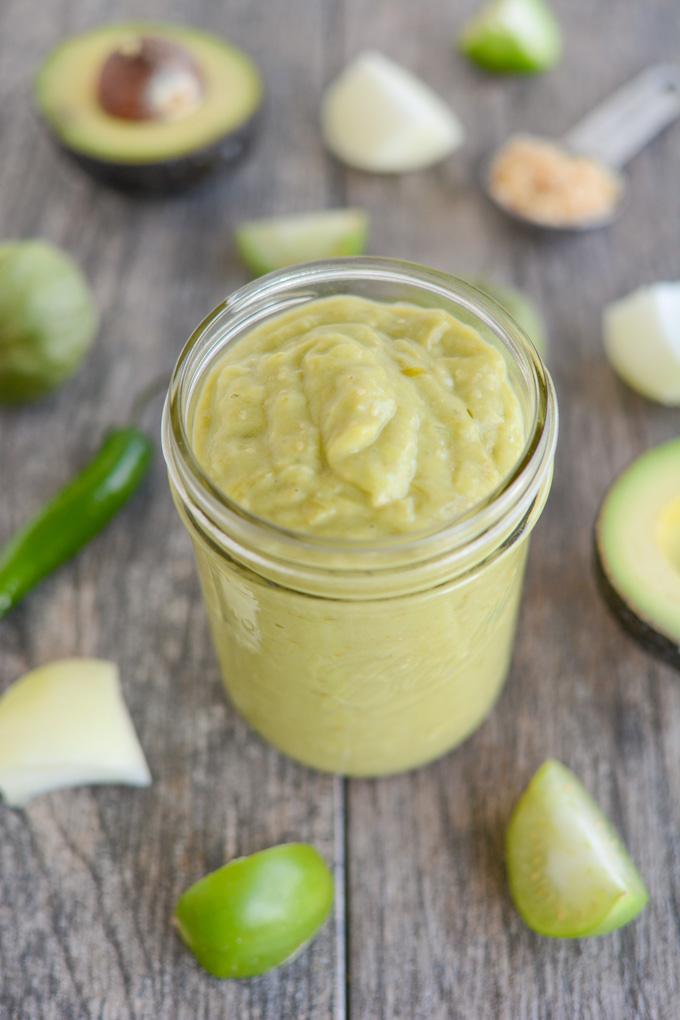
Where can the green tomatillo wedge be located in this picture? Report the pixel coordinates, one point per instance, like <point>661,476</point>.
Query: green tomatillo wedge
<point>279,241</point>
<point>513,37</point>
<point>522,309</point>
<point>256,912</point>
<point>570,875</point>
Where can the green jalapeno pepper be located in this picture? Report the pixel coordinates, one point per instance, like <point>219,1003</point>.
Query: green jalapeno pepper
<point>75,515</point>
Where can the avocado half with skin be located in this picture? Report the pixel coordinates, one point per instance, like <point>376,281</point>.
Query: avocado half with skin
<point>149,106</point>
<point>637,545</point>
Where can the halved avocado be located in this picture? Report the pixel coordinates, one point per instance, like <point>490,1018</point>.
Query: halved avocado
<point>149,106</point>
<point>637,543</point>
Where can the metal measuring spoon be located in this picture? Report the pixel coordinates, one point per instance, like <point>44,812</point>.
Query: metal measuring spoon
<point>611,135</point>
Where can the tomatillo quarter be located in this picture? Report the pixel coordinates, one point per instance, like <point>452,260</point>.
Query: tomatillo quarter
<point>256,912</point>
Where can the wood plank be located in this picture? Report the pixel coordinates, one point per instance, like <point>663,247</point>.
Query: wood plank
<point>89,878</point>
<point>432,933</point>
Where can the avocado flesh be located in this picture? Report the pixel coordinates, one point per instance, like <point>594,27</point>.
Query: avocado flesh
<point>169,175</point>
<point>66,95</point>
<point>637,539</point>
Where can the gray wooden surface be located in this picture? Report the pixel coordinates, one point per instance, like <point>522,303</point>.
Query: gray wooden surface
<point>423,929</point>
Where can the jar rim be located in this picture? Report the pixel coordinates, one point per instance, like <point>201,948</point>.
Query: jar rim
<point>238,313</point>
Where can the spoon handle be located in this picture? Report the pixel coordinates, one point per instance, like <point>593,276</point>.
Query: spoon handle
<point>618,128</point>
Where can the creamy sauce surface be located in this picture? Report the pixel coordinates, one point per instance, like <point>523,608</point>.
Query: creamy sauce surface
<point>358,419</point>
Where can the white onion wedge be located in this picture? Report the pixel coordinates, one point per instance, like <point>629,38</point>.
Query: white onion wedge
<point>642,340</point>
<point>66,724</point>
<point>378,116</point>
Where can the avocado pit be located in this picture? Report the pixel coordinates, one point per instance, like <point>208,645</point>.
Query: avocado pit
<point>149,78</point>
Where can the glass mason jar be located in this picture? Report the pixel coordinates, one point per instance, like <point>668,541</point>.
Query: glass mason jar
<point>354,657</point>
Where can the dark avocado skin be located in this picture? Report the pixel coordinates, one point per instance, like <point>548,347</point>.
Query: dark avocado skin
<point>172,174</point>
<point>645,635</point>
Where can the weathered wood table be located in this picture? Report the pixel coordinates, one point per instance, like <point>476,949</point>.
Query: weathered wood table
<point>423,927</point>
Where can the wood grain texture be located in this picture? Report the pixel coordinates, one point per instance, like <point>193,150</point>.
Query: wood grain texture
<point>88,878</point>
